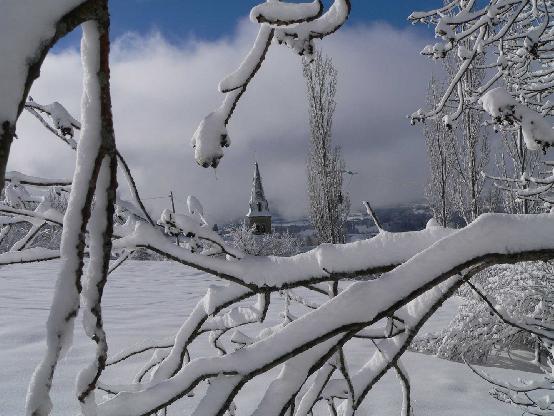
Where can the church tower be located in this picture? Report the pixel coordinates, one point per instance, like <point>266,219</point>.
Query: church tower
<point>258,216</point>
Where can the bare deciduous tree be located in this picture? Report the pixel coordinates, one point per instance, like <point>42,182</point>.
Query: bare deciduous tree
<point>463,144</point>
<point>513,163</point>
<point>471,149</point>
<point>441,158</point>
<point>328,204</point>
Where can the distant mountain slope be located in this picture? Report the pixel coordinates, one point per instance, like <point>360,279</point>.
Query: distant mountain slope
<point>407,217</point>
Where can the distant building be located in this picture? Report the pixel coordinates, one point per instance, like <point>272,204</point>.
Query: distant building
<point>258,216</point>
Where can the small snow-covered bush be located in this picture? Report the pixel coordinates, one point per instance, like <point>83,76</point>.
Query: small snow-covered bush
<point>523,291</point>
<point>57,199</point>
<point>274,244</point>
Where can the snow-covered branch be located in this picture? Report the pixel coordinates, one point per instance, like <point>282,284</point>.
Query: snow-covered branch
<point>515,238</point>
<point>529,188</point>
<point>520,33</point>
<point>23,52</point>
<point>63,128</point>
<point>23,179</point>
<point>399,279</point>
<point>96,145</point>
<point>325,263</point>
<point>296,25</point>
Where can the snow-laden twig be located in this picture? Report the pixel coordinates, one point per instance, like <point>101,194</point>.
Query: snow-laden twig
<point>406,389</point>
<point>32,35</point>
<point>18,177</point>
<point>295,25</point>
<point>283,13</point>
<point>71,124</point>
<point>313,393</point>
<point>280,394</point>
<point>325,263</point>
<point>101,224</point>
<point>373,216</point>
<point>30,255</point>
<point>496,309</point>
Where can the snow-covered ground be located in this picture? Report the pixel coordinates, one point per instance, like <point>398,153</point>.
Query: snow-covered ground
<point>151,299</point>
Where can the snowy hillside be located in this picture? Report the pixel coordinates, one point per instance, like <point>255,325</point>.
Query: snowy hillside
<point>397,218</point>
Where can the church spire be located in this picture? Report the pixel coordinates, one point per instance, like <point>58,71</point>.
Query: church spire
<point>257,194</point>
<point>258,214</point>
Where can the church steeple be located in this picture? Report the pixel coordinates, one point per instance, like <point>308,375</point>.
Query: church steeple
<point>258,215</point>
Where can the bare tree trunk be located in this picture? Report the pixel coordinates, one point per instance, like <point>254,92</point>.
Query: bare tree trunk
<point>101,224</point>
<point>440,185</point>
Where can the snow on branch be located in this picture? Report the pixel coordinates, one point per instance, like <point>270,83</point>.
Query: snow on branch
<point>492,238</point>
<point>52,216</point>
<point>396,278</point>
<point>33,29</point>
<point>195,229</point>
<point>497,310</point>
<point>295,25</point>
<point>530,188</point>
<point>251,64</point>
<point>283,13</point>
<point>373,216</point>
<point>293,375</point>
<point>29,34</point>
<point>215,300</point>
<point>62,120</point>
<point>31,255</point>
<point>300,37</point>
<point>21,178</point>
<point>531,396</point>
<point>325,263</point>
<point>505,110</point>
<point>64,130</point>
<point>520,79</point>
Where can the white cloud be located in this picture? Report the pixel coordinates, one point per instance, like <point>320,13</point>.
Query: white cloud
<point>161,91</point>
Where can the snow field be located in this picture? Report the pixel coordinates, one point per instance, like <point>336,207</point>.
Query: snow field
<point>151,299</point>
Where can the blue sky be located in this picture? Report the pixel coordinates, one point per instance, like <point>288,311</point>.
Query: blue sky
<point>213,19</point>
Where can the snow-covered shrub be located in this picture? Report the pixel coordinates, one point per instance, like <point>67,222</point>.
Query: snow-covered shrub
<point>57,199</point>
<point>26,214</point>
<point>532,396</point>
<point>49,236</point>
<point>146,255</point>
<point>523,291</point>
<point>274,244</point>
